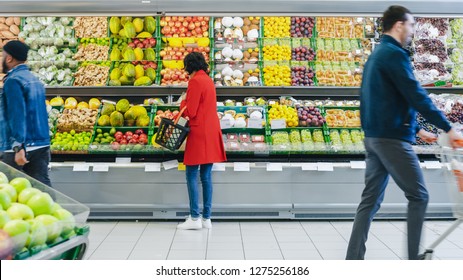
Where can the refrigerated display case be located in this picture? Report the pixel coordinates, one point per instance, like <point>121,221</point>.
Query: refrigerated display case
<point>288,181</point>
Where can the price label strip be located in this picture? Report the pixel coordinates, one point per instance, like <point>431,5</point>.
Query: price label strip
<point>100,167</point>
<point>242,167</point>
<point>171,164</point>
<point>153,167</point>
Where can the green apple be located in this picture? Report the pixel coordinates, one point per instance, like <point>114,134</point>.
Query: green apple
<point>5,200</point>
<point>18,231</point>
<point>55,207</point>
<point>10,190</point>
<point>3,178</point>
<point>67,220</point>
<point>41,203</point>
<point>26,194</point>
<point>4,218</point>
<point>53,226</point>
<point>20,184</point>
<point>37,234</point>
<point>18,211</point>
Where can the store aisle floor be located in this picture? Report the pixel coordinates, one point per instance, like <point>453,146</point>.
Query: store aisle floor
<point>256,240</point>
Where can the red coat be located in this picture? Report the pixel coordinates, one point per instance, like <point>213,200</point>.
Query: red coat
<point>204,143</point>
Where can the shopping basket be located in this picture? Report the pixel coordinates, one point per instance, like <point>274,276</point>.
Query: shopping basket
<point>171,134</point>
<point>452,159</point>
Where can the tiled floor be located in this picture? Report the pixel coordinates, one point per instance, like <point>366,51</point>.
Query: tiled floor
<point>257,240</point>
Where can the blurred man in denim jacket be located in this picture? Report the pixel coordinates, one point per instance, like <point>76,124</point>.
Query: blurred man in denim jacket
<point>24,131</point>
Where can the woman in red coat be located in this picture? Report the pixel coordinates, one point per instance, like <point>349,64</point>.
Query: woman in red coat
<point>204,144</point>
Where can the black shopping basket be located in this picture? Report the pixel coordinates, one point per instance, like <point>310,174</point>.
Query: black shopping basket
<point>170,134</point>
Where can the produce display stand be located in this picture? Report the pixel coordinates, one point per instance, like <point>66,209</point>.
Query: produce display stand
<point>68,248</point>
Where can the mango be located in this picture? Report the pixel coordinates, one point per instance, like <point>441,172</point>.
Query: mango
<point>150,24</point>
<point>138,53</point>
<point>103,121</point>
<point>107,109</point>
<point>138,24</point>
<point>124,80</point>
<point>151,73</point>
<point>129,71</point>
<point>115,25</point>
<point>143,81</point>
<point>125,20</point>
<point>122,33</point>
<point>116,119</point>
<point>115,74</point>
<point>129,30</point>
<point>115,55</point>
<point>139,71</point>
<point>150,55</point>
<point>129,55</point>
<point>144,35</point>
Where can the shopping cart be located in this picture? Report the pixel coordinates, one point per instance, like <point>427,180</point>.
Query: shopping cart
<point>452,160</point>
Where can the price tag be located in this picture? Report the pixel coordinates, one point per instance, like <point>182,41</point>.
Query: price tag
<point>358,164</point>
<point>254,123</point>
<point>170,164</point>
<point>123,160</point>
<point>80,167</point>
<point>278,124</point>
<point>325,166</point>
<point>432,165</point>
<point>310,166</point>
<point>218,166</point>
<point>225,124</point>
<point>100,167</point>
<point>274,166</point>
<point>153,167</point>
<point>241,166</point>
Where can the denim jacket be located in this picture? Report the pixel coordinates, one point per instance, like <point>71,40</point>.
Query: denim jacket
<point>23,113</point>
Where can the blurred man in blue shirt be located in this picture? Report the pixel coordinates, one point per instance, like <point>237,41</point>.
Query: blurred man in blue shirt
<point>389,99</point>
<point>24,131</point>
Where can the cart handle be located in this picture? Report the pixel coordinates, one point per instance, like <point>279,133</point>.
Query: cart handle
<point>179,115</point>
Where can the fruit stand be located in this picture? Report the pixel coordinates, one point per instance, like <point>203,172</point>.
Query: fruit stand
<point>287,77</point>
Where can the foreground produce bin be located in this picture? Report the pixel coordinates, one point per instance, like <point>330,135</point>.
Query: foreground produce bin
<point>41,222</point>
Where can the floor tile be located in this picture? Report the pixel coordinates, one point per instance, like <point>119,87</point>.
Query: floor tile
<point>225,255</point>
<point>110,255</point>
<point>182,246</point>
<point>261,246</point>
<point>297,246</point>
<point>187,255</point>
<point>224,246</point>
<point>263,255</point>
<point>301,255</point>
<point>108,245</point>
<point>333,254</point>
<point>148,255</point>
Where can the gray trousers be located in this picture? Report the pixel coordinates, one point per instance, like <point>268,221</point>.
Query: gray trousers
<point>386,157</point>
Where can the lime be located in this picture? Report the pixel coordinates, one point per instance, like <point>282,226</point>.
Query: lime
<point>72,132</point>
<point>99,131</point>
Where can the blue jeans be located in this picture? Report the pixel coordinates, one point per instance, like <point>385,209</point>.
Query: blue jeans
<point>386,157</point>
<point>205,171</point>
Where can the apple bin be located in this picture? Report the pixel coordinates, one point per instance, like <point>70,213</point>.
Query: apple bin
<point>41,222</point>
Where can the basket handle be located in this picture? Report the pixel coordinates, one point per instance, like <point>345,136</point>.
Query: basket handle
<point>179,115</point>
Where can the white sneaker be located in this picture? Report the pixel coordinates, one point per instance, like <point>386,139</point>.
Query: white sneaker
<point>190,224</point>
<point>206,223</point>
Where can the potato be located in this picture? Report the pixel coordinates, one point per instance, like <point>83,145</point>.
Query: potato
<point>14,29</point>
<point>7,34</point>
<point>17,21</point>
<point>9,21</point>
<point>4,27</point>
<point>2,20</point>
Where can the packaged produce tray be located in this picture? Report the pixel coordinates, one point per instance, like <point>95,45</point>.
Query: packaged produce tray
<point>62,229</point>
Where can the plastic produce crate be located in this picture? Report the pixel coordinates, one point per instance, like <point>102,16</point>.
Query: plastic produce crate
<point>69,244</point>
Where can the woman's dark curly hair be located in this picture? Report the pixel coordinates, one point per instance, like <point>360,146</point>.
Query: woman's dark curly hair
<point>194,62</point>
